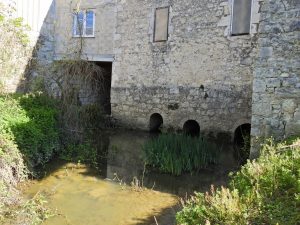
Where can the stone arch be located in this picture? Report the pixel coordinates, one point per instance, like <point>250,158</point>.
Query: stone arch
<point>242,142</point>
<point>237,123</point>
<point>156,121</point>
<point>191,127</point>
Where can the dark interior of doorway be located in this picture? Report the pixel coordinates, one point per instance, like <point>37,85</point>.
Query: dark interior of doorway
<point>105,86</point>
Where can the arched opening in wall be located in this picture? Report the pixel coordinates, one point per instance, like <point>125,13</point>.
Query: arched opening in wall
<point>192,128</point>
<point>156,122</point>
<point>242,142</point>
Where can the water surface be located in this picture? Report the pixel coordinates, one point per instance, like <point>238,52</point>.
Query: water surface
<point>113,194</point>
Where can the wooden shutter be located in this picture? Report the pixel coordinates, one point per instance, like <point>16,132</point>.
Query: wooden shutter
<point>161,24</point>
<point>241,17</point>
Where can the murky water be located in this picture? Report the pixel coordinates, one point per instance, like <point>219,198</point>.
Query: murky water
<point>83,195</point>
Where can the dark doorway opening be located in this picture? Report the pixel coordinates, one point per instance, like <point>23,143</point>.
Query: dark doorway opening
<point>192,128</point>
<point>104,89</point>
<point>156,122</point>
<point>242,142</point>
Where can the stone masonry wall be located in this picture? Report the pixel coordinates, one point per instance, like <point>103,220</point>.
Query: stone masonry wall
<point>43,54</point>
<point>276,88</point>
<point>94,48</point>
<point>39,16</point>
<point>201,73</point>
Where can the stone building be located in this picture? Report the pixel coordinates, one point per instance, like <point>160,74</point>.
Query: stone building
<point>200,65</point>
<point>276,85</point>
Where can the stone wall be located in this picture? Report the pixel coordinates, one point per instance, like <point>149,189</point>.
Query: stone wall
<point>38,69</point>
<point>94,49</point>
<point>39,17</point>
<point>201,73</point>
<point>97,48</point>
<point>276,88</point>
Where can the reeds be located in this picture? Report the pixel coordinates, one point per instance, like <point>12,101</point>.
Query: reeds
<point>178,153</point>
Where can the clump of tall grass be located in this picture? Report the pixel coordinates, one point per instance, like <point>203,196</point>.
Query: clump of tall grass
<point>178,153</point>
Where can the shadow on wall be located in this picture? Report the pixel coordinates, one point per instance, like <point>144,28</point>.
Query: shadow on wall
<point>40,18</point>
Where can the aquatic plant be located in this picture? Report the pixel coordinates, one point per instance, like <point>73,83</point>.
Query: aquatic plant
<point>178,153</point>
<point>264,191</point>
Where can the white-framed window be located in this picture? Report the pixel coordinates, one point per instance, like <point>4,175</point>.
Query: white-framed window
<point>241,17</point>
<point>84,23</point>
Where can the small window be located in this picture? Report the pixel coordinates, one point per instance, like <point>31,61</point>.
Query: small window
<point>241,17</point>
<point>161,24</point>
<point>84,24</point>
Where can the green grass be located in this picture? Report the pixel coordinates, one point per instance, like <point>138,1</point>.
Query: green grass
<point>178,153</point>
<point>264,191</point>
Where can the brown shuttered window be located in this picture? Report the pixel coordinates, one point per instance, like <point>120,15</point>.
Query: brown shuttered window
<point>241,17</point>
<point>161,24</point>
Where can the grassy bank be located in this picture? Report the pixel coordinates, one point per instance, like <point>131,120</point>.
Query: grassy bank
<point>264,191</point>
<point>29,137</point>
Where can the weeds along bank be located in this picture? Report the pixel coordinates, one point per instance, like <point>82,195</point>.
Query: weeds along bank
<point>29,137</point>
<point>264,191</point>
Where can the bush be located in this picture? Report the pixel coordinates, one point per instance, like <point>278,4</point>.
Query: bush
<point>28,130</point>
<point>176,153</point>
<point>264,191</point>
<point>31,122</point>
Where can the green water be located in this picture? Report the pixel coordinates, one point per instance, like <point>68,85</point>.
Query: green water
<point>85,196</point>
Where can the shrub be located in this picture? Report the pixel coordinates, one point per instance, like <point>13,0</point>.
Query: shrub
<point>28,129</point>
<point>31,122</point>
<point>177,153</point>
<point>264,191</point>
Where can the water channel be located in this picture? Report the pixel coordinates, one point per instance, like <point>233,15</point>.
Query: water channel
<point>112,194</point>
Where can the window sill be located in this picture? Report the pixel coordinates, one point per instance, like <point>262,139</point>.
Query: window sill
<point>165,41</point>
<point>77,36</point>
<point>243,34</point>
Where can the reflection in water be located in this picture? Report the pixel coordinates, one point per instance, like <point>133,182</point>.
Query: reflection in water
<point>125,158</point>
<point>83,196</point>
